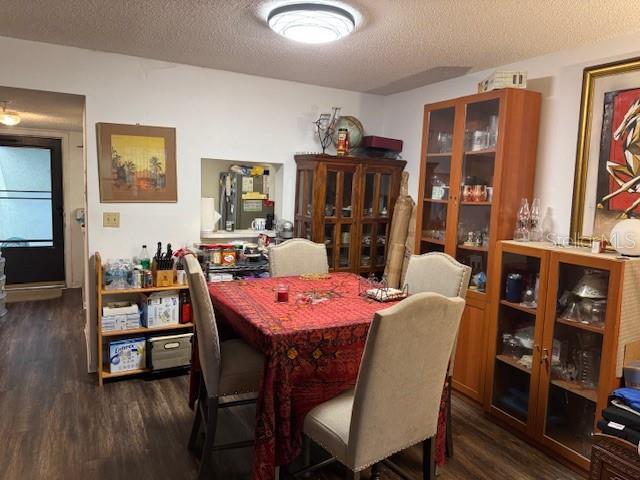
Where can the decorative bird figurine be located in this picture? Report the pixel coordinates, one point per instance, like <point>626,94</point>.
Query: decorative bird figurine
<point>627,175</point>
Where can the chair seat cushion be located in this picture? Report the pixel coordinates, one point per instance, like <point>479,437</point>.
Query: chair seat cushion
<point>328,424</point>
<point>241,368</point>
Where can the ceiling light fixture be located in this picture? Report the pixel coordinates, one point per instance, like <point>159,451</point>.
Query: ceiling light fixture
<point>311,22</point>
<point>7,117</point>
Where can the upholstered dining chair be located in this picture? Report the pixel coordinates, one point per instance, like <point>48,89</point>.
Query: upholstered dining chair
<point>229,368</point>
<point>297,256</point>
<point>439,273</point>
<point>396,401</point>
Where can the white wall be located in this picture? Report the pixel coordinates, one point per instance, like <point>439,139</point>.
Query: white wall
<point>559,77</point>
<point>217,114</point>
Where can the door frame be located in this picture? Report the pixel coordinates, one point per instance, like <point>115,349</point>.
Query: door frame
<point>57,203</point>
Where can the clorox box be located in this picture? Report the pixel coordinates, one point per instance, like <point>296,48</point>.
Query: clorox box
<point>160,308</point>
<point>128,354</point>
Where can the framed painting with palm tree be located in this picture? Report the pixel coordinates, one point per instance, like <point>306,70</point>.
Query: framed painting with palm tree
<point>136,163</point>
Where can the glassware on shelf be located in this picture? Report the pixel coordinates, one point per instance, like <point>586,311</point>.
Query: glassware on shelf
<point>480,140</point>
<point>479,280</point>
<point>571,311</point>
<point>592,284</point>
<point>493,130</point>
<point>479,193</point>
<point>467,193</point>
<point>529,298</point>
<point>444,142</point>
<point>513,289</point>
<point>536,222</point>
<point>437,188</point>
<point>598,313</point>
<point>523,222</point>
<point>587,364</point>
<point>468,140</point>
<point>511,347</point>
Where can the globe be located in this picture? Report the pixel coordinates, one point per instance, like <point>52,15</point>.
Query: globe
<point>353,126</point>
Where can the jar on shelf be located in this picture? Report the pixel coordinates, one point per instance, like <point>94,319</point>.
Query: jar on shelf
<point>228,255</point>
<point>216,255</point>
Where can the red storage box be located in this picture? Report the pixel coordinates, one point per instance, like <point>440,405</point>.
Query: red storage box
<point>373,141</point>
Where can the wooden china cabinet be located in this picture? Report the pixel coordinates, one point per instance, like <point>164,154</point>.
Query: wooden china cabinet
<point>554,357</point>
<point>347,204</point>
<point>478,162</point>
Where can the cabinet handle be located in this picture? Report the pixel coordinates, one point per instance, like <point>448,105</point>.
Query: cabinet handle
<point>545,357</point>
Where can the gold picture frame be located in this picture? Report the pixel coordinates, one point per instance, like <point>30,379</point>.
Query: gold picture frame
<point>586,148</point>
<point>136,163</point>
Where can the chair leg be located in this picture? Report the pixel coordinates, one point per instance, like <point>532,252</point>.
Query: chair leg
<point>375,471</point>
<point>449,435</point>
<point>195,429</point>
<point>352,475</point>
<point>428,459</point>
<point>206,462</point>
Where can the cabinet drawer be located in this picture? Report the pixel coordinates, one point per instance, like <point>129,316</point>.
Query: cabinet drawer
<point>614,459</point>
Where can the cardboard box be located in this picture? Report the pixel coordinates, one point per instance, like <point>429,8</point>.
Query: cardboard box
<point>120,317</point>
<point>128,354</point>
<point>160,308</point>
<point>503,79</point>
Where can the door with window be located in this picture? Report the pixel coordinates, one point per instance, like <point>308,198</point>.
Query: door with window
<point>31,212</point>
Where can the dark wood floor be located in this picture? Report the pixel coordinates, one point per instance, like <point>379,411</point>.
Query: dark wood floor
<point>56,423</point>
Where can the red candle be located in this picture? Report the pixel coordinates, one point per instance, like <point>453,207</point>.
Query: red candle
<point>282,294</point>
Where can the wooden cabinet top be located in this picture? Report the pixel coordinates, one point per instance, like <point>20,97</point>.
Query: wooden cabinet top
<point>349,160</point>
<point>571,250</point>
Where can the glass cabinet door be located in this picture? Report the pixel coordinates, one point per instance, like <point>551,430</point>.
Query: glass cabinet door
<point>331,194</point>
<point>516,336</point>
<point>573,355</point>
<point>438,180</point>
<point>344,246</point>
<point>330,242</point>
<point>376,212</point>
<point>338,215</point>
<point>304,203</point>
<point>476,189</point>
<point>366,246</point>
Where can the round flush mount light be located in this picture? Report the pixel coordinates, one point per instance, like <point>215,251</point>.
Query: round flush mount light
<point>311,22</point>
<point>7,117</point>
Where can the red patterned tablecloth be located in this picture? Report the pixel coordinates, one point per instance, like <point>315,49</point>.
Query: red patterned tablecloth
<point>313,353</point>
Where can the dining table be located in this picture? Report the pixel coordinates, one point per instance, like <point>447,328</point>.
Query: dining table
<point>312,342</point>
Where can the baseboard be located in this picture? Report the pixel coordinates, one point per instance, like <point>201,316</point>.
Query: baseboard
<point>29,292</point>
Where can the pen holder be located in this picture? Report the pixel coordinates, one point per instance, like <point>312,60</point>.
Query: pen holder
<point>162,276</point>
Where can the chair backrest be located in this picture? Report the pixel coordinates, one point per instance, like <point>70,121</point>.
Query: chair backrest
<point>439,273</point>
<point>401,377</point>
<point>297,256</point>
<point>205,322</point>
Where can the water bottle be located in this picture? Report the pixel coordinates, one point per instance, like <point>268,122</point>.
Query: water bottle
<point>144,259</point>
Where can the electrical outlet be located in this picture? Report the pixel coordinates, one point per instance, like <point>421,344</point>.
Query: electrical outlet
<point>111,219</point>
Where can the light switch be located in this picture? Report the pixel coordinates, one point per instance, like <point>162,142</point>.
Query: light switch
<point>111,219</point>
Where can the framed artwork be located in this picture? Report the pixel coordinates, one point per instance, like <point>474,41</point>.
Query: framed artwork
<point>136,163</point>
<point>607,176</point>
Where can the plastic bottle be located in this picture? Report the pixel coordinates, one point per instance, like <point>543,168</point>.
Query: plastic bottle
<point>144,258</point>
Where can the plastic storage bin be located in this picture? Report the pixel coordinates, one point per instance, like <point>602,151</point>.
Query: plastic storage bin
<point>170,351</point>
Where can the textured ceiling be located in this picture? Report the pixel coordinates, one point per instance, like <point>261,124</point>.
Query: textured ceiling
<point>397,45</point>
<point>45,110</point>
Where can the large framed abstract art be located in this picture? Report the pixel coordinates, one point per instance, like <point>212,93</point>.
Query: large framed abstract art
<point>136,163</point>
<point>607,175</point>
